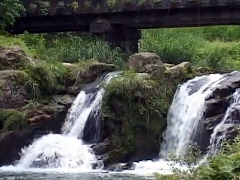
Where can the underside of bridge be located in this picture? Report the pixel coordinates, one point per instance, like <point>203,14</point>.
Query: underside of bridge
<point>122,29</point>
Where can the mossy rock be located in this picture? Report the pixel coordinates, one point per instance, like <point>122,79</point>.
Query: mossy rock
<point>12,119</point>
<point>15,88</point>
<point>135,109</point>
<point>14,58</point>
<point>85,72</point>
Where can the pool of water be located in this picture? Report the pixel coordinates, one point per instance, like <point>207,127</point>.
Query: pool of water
<point>70,176</point>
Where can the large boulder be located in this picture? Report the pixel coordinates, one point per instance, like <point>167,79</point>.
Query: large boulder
<point>184,67</point>
<point>146,62</point>
<point>217,103</point>
<point>51,115</point>
<point>134,117</point>
<point>14,89</point>
<point>78,76</point>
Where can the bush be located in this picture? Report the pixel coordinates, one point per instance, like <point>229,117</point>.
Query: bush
<point>9,10</point>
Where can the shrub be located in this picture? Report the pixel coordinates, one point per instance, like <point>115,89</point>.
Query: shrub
<point>9,10</point>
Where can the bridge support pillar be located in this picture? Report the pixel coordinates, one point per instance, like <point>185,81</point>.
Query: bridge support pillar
<point>124,38</point>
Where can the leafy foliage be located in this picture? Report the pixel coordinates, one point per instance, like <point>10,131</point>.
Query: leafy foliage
<point>9,10</point>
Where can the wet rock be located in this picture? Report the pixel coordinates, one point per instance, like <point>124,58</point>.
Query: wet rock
<point>216,105</point>
<point>121,167</point>
<point>101,148</point>
<point>12,142</point>
<point>14,89</point>
<point>88,75</point>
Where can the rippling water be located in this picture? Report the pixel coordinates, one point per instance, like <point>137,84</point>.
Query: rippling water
<point>65,176</point>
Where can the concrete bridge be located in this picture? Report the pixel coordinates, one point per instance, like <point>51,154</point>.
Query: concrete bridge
<point>119,21</point>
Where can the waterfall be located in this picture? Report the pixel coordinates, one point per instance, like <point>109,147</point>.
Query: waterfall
<point>185,113</point>
<point>220,131</point>
<point>68,150</point>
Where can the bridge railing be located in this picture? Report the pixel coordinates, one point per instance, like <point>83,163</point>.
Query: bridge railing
<point>53,7</point>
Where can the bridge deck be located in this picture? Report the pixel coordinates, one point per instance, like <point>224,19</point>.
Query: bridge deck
<point>66,7</point>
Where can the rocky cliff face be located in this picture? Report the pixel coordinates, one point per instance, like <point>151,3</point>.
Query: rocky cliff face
<point>216,106</point>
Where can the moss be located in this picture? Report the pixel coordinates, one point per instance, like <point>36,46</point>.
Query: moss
<point>135,107</point>
<point>12,119</point>
<point>48,78</point>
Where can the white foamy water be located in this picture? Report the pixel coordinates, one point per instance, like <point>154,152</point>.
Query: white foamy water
<point>66,151</point>
<point>220,131</point>
<point>184,117</point>
<point>185,114</point>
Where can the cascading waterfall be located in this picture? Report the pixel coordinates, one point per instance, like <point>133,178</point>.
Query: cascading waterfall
<point>186,112</point>
<point>184,117</point>
<point>67,150</point>
<point>220,131</point>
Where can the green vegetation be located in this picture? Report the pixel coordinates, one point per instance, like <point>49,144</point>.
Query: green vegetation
<point>134,106</point>
<point>215,47</point>
<point>224,166</point>
<point>138,101</point>
<point>9,10</point>
<point>11,119</point>
<point>48,74</point>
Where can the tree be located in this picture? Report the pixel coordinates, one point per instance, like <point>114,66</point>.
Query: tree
<point>9,10</point>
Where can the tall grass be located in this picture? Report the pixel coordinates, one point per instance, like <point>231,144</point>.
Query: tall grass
<point>216,47</point>
<point>65,47</point>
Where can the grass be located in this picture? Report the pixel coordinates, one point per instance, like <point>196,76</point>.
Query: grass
<point>65,47</point>
<point>49,51</point>
<point>215,47</point>
<point>224,166</point>
<point>11,119</point>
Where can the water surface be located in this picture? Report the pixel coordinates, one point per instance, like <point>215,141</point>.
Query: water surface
<point>72,176</point>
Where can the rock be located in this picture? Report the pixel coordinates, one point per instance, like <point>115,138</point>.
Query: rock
<point>177,70</point>
<point>121,167</point>
<point>153,69</point>
<point>94,70</point>
<point>13,58</point>
<point>12,142</point>
<point>168,65</point>
<point>217,104</point>
<point>139,60</point>
<point>89,75</point>
<point>134,132</point>
<point>14,89</point>
<point>101,148</point>
<point>51,116</point>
